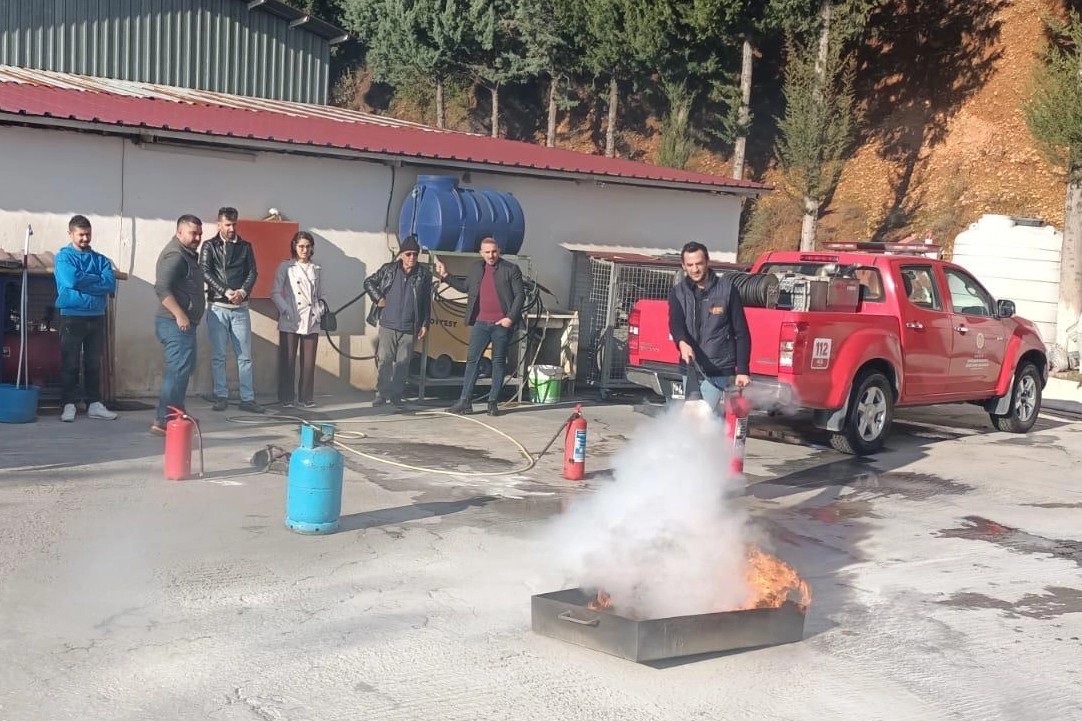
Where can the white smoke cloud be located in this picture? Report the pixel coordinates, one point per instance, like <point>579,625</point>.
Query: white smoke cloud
<point>667,537</point>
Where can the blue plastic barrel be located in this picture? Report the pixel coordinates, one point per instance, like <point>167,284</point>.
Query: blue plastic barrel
<point>445,217</point>
<point>314,486</point>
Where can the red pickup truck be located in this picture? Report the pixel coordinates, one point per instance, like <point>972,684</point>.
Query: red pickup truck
<point>853,335</point>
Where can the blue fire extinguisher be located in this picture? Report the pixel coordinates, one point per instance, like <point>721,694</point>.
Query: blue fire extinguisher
<point>314,486</point>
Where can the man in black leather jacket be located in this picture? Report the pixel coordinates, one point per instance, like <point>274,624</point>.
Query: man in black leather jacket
<point>401,295</point>
<point>228,263</point>
<point>494,300</point>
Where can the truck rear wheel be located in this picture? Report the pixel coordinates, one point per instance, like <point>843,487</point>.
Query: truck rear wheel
<point>1025,402</point>
<point>871,411</point>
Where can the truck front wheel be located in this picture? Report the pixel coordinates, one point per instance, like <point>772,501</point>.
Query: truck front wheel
<point>871,412</point>
<point>1025,402</point>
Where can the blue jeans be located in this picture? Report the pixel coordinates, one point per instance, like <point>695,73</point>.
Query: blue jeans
<point>224,325</point>
<point>180,351</point>
<point>481,334</point>
<point>712,389</point>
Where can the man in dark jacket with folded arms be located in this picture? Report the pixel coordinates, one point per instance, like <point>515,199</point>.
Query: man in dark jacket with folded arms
<point>707,323</point>
<point>495,296</point>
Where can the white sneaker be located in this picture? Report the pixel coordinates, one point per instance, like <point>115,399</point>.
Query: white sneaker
<point>69,413</point>
<point>98,410</point>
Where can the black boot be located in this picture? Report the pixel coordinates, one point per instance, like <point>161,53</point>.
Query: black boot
<point>493,409</point>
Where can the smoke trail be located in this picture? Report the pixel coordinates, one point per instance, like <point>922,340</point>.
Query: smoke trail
<point>667,536</point>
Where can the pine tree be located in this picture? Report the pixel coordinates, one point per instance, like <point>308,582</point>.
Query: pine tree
<point>1054,116</point>
<point>607,56</point>
<point>413,43</point>
<point>498,54</point>
<point>688,47</point>
<point>552,31</point>
<point>816,129</point>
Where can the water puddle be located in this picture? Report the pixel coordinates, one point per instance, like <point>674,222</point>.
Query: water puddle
<point>864,481</point>
<point>982,529</point>
<point>1056,601</point>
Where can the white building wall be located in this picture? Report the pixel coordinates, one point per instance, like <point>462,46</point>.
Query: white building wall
<point>133,195</point>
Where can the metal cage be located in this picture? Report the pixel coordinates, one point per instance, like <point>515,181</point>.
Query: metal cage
<point>604,290</point>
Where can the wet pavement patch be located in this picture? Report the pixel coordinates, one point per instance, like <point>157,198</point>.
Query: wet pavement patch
<point>1056,601</point>
<point>982,529</point>
<point>841,511</point>
<point>1054,505</point>
<point>863,480</point>
<point>432,455</point>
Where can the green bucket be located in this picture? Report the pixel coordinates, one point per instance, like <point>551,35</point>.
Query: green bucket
<point>544,384</point>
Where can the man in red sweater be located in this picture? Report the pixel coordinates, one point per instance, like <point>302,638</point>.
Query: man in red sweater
<point>494,299</point>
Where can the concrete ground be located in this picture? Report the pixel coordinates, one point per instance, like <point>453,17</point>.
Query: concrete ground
<point>947,578</point>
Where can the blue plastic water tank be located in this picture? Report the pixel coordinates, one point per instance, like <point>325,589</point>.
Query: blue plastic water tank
<point>445,217</point>
<point>314,486</point>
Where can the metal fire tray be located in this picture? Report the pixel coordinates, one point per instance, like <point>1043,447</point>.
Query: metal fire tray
<point>564,615</point>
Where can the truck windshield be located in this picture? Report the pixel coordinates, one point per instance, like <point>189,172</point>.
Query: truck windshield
<point>871,284</point>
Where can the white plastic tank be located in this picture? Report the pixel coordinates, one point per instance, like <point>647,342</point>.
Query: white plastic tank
<point>1015,259</point>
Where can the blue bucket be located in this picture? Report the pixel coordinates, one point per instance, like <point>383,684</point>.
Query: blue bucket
<point>18,404</point>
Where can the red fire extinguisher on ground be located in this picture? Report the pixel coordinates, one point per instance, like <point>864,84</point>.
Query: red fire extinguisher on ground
<point>737,410</point>
<point>575,446</point>
<point>179,427</point>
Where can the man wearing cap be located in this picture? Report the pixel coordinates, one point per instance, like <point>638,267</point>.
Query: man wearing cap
<point>401,295</point>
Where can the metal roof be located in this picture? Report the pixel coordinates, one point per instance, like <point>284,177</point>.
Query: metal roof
<point>38,97</point>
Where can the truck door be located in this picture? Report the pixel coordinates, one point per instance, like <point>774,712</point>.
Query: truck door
<point>927,333</point>
<point>979,337</point>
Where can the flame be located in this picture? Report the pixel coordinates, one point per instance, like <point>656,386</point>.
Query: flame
<point>770,582</point>
<point>602,601</point>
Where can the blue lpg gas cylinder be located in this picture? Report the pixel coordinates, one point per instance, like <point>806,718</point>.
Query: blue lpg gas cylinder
<point>314,486</point>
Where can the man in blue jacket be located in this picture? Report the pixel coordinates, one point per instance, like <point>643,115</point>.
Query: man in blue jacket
<point>84,282</point>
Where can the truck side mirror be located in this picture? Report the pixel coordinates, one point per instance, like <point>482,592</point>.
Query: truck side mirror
<point>1005,308</point>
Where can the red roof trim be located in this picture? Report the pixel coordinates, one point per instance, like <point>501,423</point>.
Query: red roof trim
<point>223,121</point>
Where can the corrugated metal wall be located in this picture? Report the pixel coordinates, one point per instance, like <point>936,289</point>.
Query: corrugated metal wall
<point>217,45</point>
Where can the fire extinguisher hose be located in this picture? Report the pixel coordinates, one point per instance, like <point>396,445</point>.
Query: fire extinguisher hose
<point>531,460</point>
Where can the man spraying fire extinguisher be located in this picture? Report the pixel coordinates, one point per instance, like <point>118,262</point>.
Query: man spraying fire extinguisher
<point>707,323</point>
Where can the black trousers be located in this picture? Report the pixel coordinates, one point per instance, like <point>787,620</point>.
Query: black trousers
<point>288,345</point>
<point>82,339</point>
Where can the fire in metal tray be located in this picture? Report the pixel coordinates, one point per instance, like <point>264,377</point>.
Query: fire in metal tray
<point>770,583</point>
<point>772,614</point>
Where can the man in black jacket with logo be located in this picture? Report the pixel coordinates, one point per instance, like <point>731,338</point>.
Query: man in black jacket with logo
<point>707,323</point>
<point>494,300</point>
<point>228,264</point>
<point>401,294</point>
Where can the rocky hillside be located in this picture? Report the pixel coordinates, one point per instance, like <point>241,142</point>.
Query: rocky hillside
<point>942,140</point>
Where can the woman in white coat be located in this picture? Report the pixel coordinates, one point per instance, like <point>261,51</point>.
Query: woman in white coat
<point>297,294</point>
